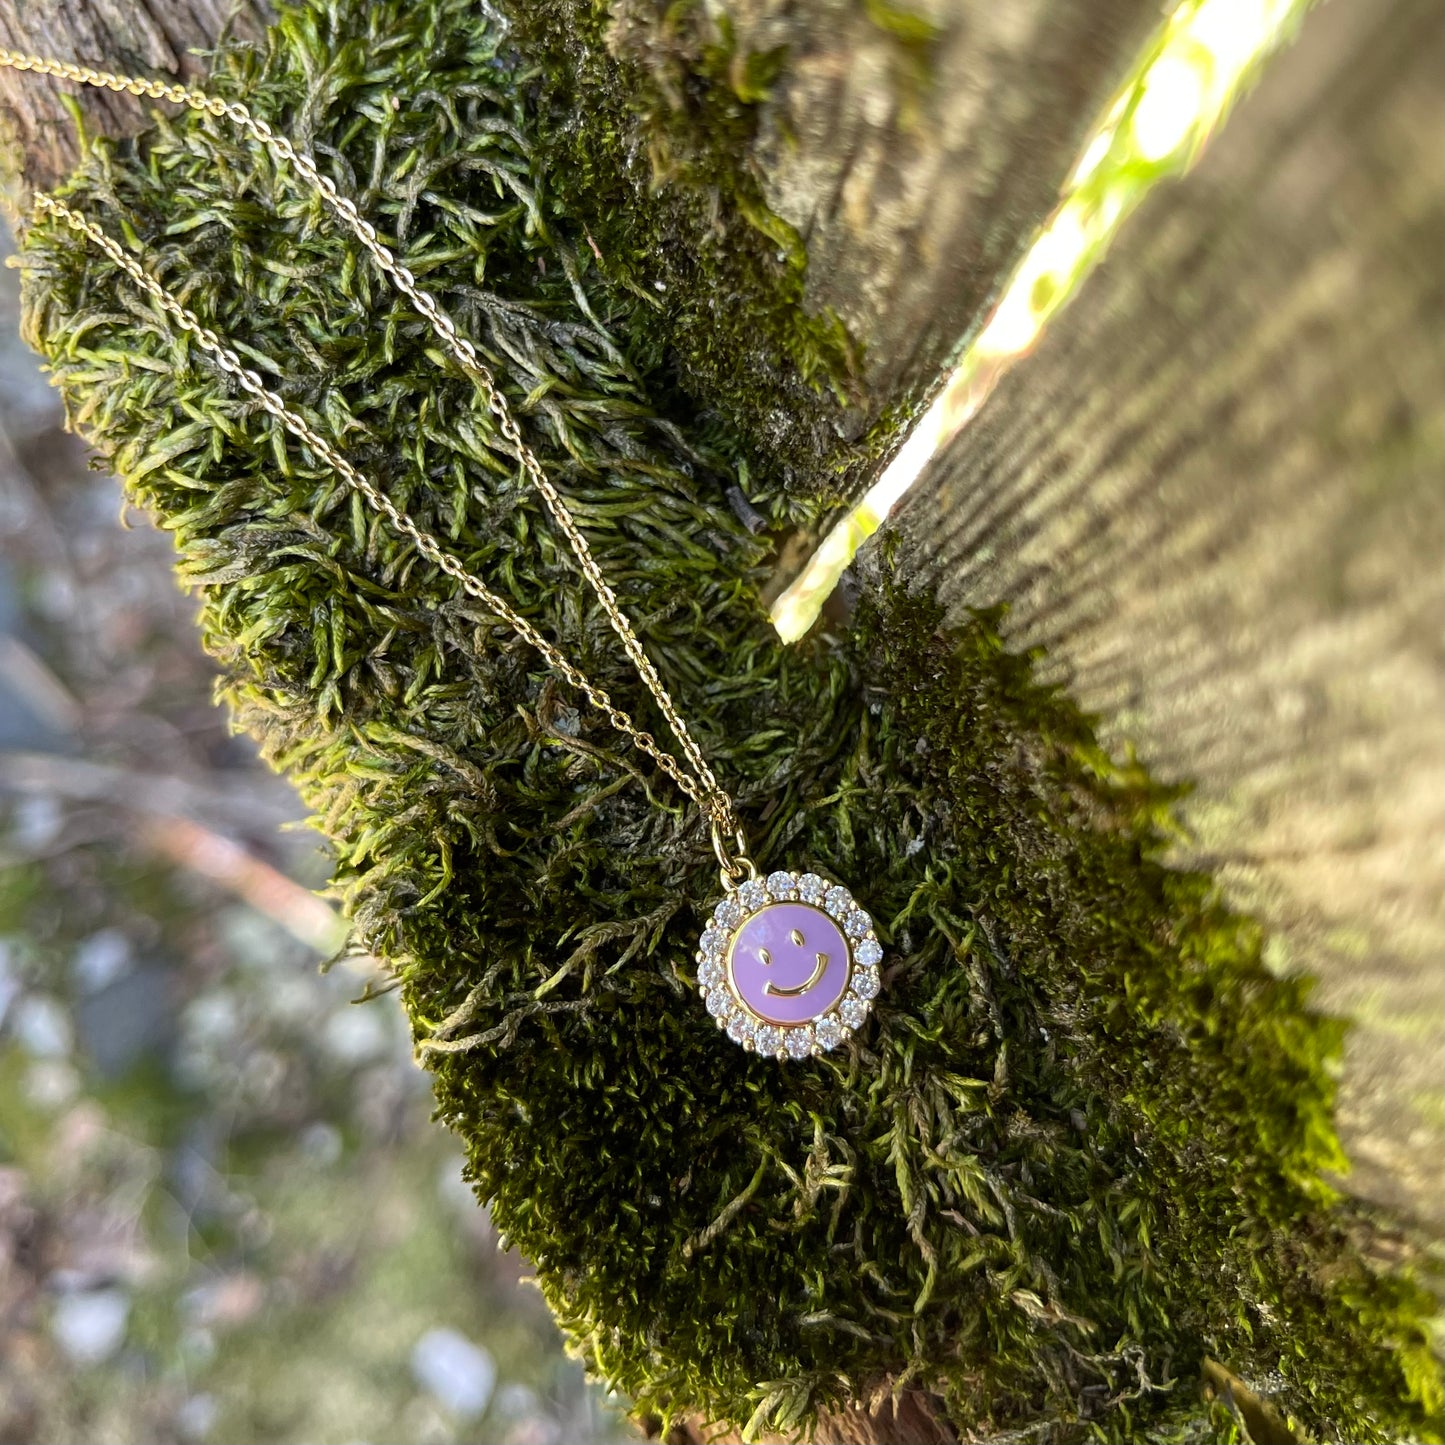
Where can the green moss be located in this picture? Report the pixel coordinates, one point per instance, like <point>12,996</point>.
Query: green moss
<point>1079,1150</point>
<point>646,111</point>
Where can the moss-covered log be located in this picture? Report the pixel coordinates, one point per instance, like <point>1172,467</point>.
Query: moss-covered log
<point>1078,1156</point>
<point>913,150</point>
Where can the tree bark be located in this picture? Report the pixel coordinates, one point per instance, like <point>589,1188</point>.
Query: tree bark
<point>145,37</point>
<point>1213,496</point>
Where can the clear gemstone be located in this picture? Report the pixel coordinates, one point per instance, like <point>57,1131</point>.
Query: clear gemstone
<point>811,888</point>
<point>741,1028</point>
<point>828,1032</point>
<point>799,1043</point>
<point>869,952</point>
<point>753,894</point>
<point>768,1040</point>
<point>781,885</point>
<point>727,913</point>
<point>837,901</point>
<point>852,1011</point>
<point>858,923</point>
<point>710,972</point>
<point>866,983</point>
<point>719,1003</point>
<point>712,941</point>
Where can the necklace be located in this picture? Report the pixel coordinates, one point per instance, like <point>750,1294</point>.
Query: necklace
<point>787,964</point>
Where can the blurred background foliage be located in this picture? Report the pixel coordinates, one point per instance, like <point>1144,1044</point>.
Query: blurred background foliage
<point>224,1213</point>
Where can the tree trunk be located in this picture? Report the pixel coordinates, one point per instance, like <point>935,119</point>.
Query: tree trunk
<point>1213,496</point>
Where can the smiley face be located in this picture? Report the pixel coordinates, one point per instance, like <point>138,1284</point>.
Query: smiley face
<point>789,963</point>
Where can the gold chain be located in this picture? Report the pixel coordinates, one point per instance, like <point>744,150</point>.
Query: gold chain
<point>701,785</point>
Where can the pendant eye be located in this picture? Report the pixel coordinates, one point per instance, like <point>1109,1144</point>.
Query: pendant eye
<point>766,957</point>
<point>797,936</point>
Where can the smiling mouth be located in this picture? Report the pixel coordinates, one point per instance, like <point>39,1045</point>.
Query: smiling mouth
<point>771,988</point>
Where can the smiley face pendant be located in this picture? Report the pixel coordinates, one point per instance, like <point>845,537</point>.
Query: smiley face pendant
<point>788,966</point>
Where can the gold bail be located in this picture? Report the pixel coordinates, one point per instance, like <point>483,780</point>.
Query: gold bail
<point>732,859</point>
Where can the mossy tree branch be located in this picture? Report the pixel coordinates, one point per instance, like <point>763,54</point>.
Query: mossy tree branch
<point>1079,1153</point>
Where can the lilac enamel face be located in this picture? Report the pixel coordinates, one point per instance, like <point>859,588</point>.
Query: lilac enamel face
<point>789,963</point>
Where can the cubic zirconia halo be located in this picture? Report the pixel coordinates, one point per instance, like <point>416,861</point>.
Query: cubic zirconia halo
<point>788,965</point>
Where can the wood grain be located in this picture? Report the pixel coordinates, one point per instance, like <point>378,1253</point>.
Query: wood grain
<point>1213,494</point>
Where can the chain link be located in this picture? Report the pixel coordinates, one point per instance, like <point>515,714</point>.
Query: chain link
<point>702,785</point>
<point>230,362</point>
